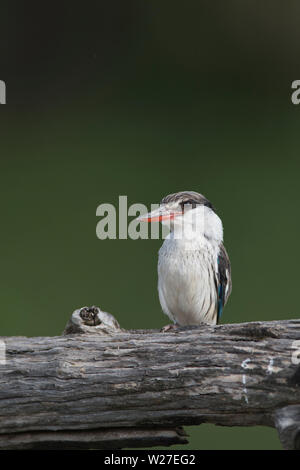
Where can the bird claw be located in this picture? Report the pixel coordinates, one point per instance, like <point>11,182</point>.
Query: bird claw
<point>172,327</point>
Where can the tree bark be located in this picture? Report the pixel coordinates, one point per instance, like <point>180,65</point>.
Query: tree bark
<point>98,386</point>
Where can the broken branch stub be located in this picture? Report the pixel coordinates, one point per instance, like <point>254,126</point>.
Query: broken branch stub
<point>91,320</point>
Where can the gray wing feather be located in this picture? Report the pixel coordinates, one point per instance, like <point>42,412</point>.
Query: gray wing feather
<point>225,272</point>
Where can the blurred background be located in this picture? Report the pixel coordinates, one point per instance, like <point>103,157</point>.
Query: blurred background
<point>144,99</point>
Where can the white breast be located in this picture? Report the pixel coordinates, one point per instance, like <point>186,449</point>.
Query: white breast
<point>186,281</point>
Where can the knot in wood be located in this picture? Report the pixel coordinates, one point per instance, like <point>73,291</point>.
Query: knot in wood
<point>91,320</point>
<point>90,316</point>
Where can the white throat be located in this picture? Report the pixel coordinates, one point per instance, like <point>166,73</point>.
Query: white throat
<point>197,225</point>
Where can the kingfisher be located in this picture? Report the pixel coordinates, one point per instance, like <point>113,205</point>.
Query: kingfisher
<point>194,272</point>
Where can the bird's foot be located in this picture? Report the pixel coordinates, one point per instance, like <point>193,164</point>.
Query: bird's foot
<point>172,327</point>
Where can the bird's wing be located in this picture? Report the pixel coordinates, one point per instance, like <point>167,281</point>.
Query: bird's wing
<point>223,281</point>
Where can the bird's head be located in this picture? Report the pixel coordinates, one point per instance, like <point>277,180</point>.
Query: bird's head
<point>187,213</point>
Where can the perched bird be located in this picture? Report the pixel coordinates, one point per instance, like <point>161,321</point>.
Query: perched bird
<point>194,273</point>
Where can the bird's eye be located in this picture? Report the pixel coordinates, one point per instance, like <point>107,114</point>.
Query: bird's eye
<point>189,203</point>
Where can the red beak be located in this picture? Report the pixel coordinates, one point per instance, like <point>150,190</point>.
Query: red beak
<point>158,215</point>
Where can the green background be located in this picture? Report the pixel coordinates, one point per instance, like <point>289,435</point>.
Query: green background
<point>144,99</point>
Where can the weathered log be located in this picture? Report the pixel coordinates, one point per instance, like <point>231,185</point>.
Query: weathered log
<point>287,422</point>
<point>98,382</point>
<point>99,439</point>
